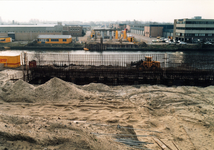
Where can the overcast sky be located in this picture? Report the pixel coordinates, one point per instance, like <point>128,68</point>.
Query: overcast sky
<point>105,10</point>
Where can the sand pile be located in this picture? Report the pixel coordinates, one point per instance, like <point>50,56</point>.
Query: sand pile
<point>59,90</point>
<point>96,87</point>
<point>53,90</point>
<point>20,91</point>
<point>97,116</point>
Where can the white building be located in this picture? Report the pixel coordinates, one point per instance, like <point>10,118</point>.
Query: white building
<point>190,30</point>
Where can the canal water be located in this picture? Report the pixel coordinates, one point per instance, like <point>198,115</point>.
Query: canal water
<point>194,59</point>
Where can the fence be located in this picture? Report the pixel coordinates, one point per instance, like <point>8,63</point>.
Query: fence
<point>123,60</point>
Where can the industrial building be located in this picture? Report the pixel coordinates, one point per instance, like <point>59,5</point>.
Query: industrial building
<point>137,29</point>
<point>31,32</point>
<point>73,30</point>
<point>54,39</point>
<point>192,30</point>
<point>153,30</point>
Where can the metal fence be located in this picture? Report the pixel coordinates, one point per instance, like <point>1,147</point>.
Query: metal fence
<point>123,60</point>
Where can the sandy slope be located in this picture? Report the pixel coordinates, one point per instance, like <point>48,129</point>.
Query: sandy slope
<point>62,115</point>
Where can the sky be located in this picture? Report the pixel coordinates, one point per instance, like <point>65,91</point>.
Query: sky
<point>105,10</point>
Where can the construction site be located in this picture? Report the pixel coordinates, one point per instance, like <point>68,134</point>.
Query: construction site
<point>110,39</point>
<point>57,101</point>
<point>125,69</point>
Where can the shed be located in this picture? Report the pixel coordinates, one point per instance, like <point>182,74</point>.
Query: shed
<point>54,39</point>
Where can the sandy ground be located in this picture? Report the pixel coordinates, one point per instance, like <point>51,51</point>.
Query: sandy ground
<point>60,115</point>
<point>85,38</point>
<point>142,38</point>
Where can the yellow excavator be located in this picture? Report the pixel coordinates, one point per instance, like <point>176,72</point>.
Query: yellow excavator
<point>92,34</point>
<point>146,64</point>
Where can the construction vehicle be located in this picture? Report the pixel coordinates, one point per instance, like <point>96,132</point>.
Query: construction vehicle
<point>170,37</point>
<point>130,38</point>
<point>92,34</point>
<point>147,64</point>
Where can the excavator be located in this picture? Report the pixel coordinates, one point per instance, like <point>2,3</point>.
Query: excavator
<point>146,64</point>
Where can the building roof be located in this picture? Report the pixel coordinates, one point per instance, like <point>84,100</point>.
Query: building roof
<point>9,53</point>
<point>30,28</point>
<point>54,36</point>
<point>27,26</point>
<point>4,36</point>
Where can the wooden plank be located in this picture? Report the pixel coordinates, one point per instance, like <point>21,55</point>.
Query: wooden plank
<point>168,145</point>
<point>160,144</point>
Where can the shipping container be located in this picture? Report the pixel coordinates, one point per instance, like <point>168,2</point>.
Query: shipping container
<point>10,61</point>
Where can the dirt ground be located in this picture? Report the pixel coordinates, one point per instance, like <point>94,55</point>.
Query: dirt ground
<point>61,115</point>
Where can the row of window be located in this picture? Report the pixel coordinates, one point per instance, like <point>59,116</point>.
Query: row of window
<point>52,40</point>
<point>74,29</point>
<point>183,28</point>
<point>196,34</point>
<point>195,22</point>
<point>199,22</point>
<point>75,33</point>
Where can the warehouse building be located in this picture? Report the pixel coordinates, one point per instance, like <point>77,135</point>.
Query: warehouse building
<point>73,30</point>
<point>54,39</point>
<point>137,29</point>
<point>162,30</point>
<point>192,30</point>
<point>29,32</point>
<point>153,30</point>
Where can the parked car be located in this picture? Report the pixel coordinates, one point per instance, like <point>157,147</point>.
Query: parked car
<point>182,43</point>
<point>171,43</point>
<point>208,43</point>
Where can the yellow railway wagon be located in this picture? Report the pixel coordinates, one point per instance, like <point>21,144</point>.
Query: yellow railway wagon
<point>10,61</point>
<point>5,39</point>
<point>54,39</point>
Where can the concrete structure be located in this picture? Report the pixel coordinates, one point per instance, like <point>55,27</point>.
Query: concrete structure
<point>104,32</point>
<point>54,39</point>
<point>196,29</point>
<point>153,30</point>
